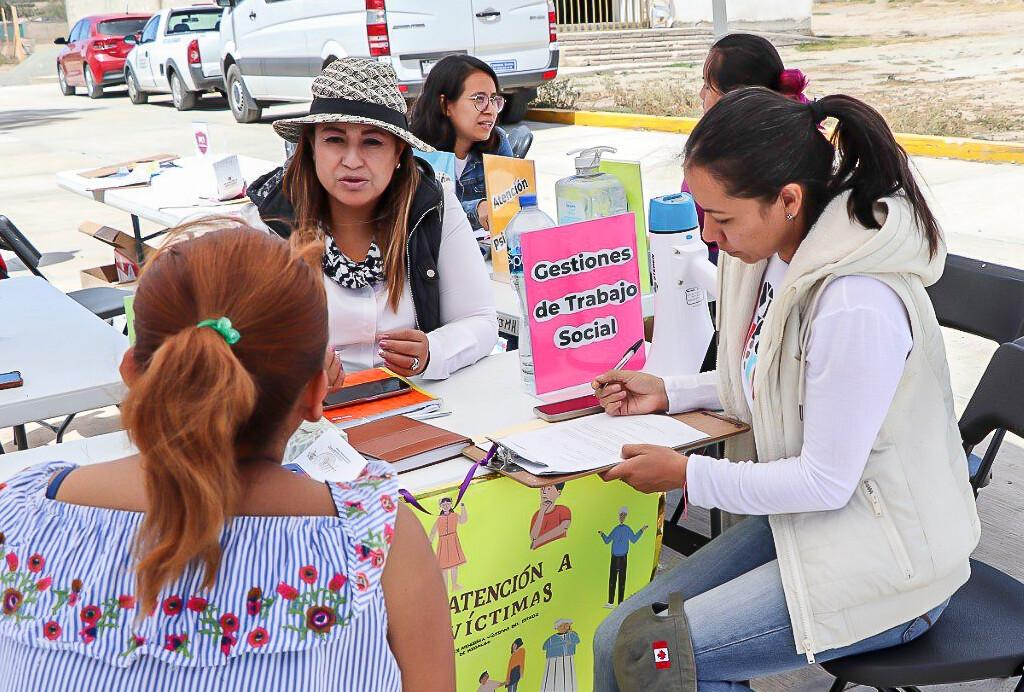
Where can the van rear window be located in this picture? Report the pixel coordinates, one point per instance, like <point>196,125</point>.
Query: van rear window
<point>121,27</point>
<point>193,20</point>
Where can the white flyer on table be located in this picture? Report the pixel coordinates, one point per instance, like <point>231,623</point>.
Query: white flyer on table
<point>331,458</point>
<point>593,442</point>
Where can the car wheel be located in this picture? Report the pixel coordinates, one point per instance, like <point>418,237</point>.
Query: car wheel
<point>135,94</point>
<point>94,90</point>
<point>62,82</point>
<point>243,107</point>
<point>184,100</point>
<point>516,105</point>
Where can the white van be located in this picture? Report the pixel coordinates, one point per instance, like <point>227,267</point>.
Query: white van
<point>272,49</point>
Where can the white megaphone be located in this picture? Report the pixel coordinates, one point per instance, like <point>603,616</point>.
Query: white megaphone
<point>684,279</point>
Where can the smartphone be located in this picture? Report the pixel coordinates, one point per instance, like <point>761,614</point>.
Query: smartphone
<point>10,380</point>
<point>567,410</point>
<point>367,391</point>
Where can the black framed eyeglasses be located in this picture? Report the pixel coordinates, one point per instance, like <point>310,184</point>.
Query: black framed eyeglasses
<point>481,101</point>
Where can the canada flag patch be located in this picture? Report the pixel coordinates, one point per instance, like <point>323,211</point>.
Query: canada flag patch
<point>661,659</point>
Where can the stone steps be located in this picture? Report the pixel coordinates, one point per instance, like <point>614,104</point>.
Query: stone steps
<point>580,49</point>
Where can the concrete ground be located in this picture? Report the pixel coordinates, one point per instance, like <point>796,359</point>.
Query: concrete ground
<point>41,132</point>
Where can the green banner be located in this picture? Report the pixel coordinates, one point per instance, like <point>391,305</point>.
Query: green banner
<point>628,173</point>
<point>531,573</point>
<point>129,315</point>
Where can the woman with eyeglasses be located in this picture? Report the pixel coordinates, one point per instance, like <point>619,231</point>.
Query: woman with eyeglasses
<point>458,112</point>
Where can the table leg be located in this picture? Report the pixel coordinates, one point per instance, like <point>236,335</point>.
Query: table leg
<point>683,541</point>
<point>716,522</point>
<point>20,437</point>
<point>137,232</point>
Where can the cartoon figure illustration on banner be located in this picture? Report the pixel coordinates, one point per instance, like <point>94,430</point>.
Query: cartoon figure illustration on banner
<point>620,539</point>
<point>551,522</point>
<point>560,651</point>
<point>516,665</point>
<point>449,550</point>
<point>488,685</point>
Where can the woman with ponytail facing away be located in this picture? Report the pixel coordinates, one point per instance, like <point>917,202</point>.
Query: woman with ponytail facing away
<point>861,518</point>
<point>200,563</point>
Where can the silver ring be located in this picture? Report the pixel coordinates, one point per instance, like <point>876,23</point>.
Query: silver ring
<point>415,364</point>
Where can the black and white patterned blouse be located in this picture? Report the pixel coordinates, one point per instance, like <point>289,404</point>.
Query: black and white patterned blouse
<point>349,274</point>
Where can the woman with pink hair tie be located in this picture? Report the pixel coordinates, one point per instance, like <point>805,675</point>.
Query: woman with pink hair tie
<point>745,60</point>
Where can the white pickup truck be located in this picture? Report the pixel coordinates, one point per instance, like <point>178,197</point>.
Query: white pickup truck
<point>177,52</point>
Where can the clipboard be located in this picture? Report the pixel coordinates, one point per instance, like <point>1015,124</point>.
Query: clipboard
<point>716,426</point>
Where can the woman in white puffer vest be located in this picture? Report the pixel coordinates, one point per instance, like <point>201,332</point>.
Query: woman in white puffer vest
<point>862,520</point>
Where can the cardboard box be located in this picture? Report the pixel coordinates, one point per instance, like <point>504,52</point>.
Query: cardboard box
<point>104,171</point>
<point>104,276</point>
<point>127,263</point>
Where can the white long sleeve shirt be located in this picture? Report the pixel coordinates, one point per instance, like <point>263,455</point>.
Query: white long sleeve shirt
<point>859,342</point>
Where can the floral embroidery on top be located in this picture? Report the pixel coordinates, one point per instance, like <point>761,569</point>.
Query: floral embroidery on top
<point>314,602</point>
<point>20,588</point>
<point>318,607</point>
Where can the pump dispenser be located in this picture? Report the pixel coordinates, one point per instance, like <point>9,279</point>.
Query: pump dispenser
<point>589,194</point>
<point>683,280</point>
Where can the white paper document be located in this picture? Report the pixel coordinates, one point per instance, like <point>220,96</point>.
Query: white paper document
<point>593,442</point>
<point>139,175</point>
<point>330,458</point>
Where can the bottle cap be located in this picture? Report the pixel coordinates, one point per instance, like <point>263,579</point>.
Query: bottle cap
<point>527,200</point>
<point>672,213</point>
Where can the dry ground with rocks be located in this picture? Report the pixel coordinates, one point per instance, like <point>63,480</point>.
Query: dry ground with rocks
<point>939,67</point>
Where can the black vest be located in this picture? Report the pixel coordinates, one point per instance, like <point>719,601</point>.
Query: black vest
<point>424,245</point>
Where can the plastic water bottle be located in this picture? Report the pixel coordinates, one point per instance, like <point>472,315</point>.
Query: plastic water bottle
<point>528,218</point>
<point>683,278</point>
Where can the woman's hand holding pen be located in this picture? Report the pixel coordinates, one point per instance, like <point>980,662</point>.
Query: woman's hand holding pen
<point>629,393</point>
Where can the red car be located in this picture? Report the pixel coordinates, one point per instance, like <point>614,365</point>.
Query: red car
<point>94,52</point>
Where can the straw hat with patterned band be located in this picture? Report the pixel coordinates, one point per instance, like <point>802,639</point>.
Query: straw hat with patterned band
<point>355,90</point>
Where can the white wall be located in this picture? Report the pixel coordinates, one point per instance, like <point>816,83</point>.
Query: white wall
<point>77,9</point>
<point>797,12</point>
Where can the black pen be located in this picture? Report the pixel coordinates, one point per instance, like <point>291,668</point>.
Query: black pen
<point>630,352</point>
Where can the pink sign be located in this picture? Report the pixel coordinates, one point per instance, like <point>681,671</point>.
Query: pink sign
<point>583,298</point>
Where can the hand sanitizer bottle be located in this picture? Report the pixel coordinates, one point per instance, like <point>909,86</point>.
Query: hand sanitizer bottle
<point>589,194</point>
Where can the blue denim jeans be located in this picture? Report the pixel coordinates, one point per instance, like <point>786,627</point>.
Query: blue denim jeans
<point>737,614</point>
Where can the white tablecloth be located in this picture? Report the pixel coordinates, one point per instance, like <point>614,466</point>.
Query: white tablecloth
<point>175,195</point>
<point>67,356</point>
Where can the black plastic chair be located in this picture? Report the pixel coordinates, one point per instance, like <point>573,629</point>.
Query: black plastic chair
<point>980,636</point>
<point>986,300</point>
<point>103,301</point>
<point>520,138</point>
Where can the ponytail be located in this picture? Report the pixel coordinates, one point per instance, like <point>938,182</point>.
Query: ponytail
<point>192,377</point>
<point>757,141</point>
<point>872,164</point>
<point>200,408</point>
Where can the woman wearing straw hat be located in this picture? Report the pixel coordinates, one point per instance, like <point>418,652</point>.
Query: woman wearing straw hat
<point>406,286</point>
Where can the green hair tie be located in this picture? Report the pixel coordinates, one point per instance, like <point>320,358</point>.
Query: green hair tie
<point>223,327</point>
